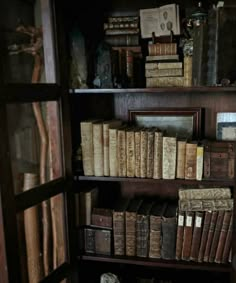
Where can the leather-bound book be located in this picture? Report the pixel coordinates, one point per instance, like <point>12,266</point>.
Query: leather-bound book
<point>205,204</point>
<point>188,71</point>
<point>228,242</point>
<point>88,199</point>
<point>169,158</point>
<point>137,145</point>
<point>150,151</point>
<point>119,226</point>
<point>162,49</point>
<point>157,159</point>
<point>188,234</point>
<point>165,81</point>
<point>205,229</point>
<point>121,152</point>
<point>191,161</point>
<point>156,214</point>
<point>222,237</point>
<point>197,232</point>
<point>143,153</point>
<point>142,228</point>
<point>180,163</point>
<point>130,226</point>
<point>169,229</point>
<point>102,217</point>
<point>180,235</point>
<point>103,241</point>
<point>210,236</point>
<point>98,149</point>
<point>89,240</point>
<point>130,152</point>
<point>219,160</point>
<point>216,236</point>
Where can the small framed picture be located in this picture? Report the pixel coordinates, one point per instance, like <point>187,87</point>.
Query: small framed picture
<point>226,126</point>
<point>180,122</point>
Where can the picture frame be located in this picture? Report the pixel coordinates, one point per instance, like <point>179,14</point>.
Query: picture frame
<point>185,122</point>
<point>226,126</point>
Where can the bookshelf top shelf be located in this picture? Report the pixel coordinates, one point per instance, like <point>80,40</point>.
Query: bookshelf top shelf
<point>213,89</point>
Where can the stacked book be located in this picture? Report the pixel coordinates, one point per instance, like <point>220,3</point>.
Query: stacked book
<point>122,33</point>
<point>204,232</point>
<point>163,67</point>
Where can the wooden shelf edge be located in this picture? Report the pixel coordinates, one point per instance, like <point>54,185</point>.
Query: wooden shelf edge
<point>159,263</point>
<point>144,180</point>
<point>209,89</point>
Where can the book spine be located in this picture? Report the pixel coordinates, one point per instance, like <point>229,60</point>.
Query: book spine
<point>168,227</point>
<point>206,193</point>
<point>123,25</point>
<point>188,232</point>
<point>199,166</point>
<point>204,205</point>
<point>164,81</point>
<point>106,149</point>
<point>137,139</point>
<point>197,231</point>
<point>157,160</point>
<point>188,69</point>
<point>98,149</point>
<point>130,230</point>
<point>103,242</point>
<point>155,237</point>
<point>123,19</point>
<point>190,161</point>
<point>143,154</point>
<point>228,242</point>
<point>169,158</point>
<point>121,147</point>
<point>89,240</point>
<point>119,232</point>
<point>150,153</point>
<point>122,40</point>
<point>113,153</point>
<point>181,152</point>
<point>150,73</point>
<point>130,147</point>
<point>165,65</point>
<point>180,234</point>
<point>206,225</point>
<point>120,31</point>
<point>142,234</point>
<point>162,49</point>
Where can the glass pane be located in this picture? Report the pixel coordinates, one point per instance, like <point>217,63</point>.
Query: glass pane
<point>28,53</point>
<point>42,241</point>
<point>35,144</point>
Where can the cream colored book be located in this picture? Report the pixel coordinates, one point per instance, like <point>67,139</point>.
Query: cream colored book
<point>157,160</point>
<point>165,82</point>
<point>137,146</point>
<point>199,161</point>
<point>130,152</point>
<point>164,65</point>
<point>86,130</point>
<point>98,148</point>
<point>106,125</point>
<point>121,151</point>
<point>113,154</point>
<point>150,151</point>
<point>150,73</point>
<point>180,166</point>
<point>169,157</point>
<point>188,68</point>
<point>143,153</point>
<point>191,161</point>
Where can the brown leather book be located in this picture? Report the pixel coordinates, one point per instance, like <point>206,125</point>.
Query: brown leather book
<point>121,152</point>
<point>162,49</point>
<point>216,235</point>
<point>197,232</point>
<point>130,226</point>
<point>156,214</point>
<point>222,238</point>
<point>228,242</point>
<point>190,161</point>
<point>102,217</point>
<point>205,229</point>
<point>119,226</point>
<point>180,234</point>
<point>188,233</point>
<point>210,236</point>
<point>180,163</point>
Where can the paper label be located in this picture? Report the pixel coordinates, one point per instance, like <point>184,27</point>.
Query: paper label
<point>198,221</point>
<point>181,220</point>
<point>189,221</point>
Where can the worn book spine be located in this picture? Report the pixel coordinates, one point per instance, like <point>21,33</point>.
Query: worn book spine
<point>169,158</point>
<point>121,148</point>
<point>180,234</point>
<point>188,69</point>
<point>88,200</point>
<point>164,65</point>
<point>103,242</point>
<point>165,81</point>
<point>157,159</point>
<point>113,155</point>
<point>222,237</point>
<point>216,236</point>
<point>180,166</point>
<point>155,237</point>
<point>204,193</point>
<point>190,161</point>
<point>89,240</point>
<point>162,49</point>
<point>143,153</point>
<point>206,204</point>
<point>164,58</point>
<point>119,232</point>
<point>121,25</point>
<point>150,152</point>
<point>210,236</point>
<point>197,232</point>
<point>142,234</point>
<point>188,232</point>
<point>137,145</point>
<point>228,242</point>
<point>122,40</point>
<point>123,19</point>
<point>98,149</point>
<point>120,31</point>
<point>205,229</point>
<point>130,225</point>
<point>130,147</point>
<point>199,161</point>
<point>151,73</point>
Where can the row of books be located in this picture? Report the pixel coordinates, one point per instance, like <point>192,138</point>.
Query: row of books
<point>149,228</point>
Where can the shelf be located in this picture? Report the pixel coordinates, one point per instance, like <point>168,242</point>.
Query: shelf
<point>158,263</point>
<point>160,181</point>
<point>155,90</point>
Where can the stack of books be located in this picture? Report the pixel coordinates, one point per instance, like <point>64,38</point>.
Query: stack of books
<point>163,67</point>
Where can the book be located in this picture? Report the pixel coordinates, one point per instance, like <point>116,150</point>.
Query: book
<point>86,129</point>
<point>121,151</point>
<point>122,39</point>
<point>180,162</point>
<point>210,236</point>
<point>188,70</point>
<point>120,25</point>
<point>180,234</point>
<point>130,226</point>
<point>156,214</point>
<point>163,65</point>
<point>142,228</point>
<point>143,152</point>
<point>222,237</point>
<point>166,58</point>
<point>188,234</point>
<point>169,229</point>
<point>98,149</point>
<point>102,217</point>
<point>190,161</point>
<point>106,126</point>
<point>164,82</point>
<point>150,151</point>
<point>196,238</point>
<point>205,230</point>
<point>228,242</point>
<point>120,31</point>
<point>157,159</point>
<point>130,152</point>
<point>160,21</point>
<point>199,162</point>
<point>88,200</point>
<point>137,146</point>
<point>119,226</point>
<point>169,48</point>
<point>89,240</point>
<point>206,204</point>
<point>113,151</point>
<point>169,158</point>
<point>150,73</point>
<point>103,241</point>
<point>122,19</point>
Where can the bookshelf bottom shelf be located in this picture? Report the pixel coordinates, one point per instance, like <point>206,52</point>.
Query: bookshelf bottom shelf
<point>157,263</point>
